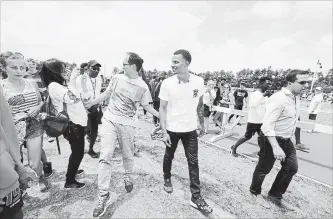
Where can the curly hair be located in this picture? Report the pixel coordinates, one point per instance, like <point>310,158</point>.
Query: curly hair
<point>51,72</point>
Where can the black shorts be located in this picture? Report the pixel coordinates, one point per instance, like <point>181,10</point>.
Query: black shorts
<point>251,129</point>
<point>13,204</point>
<point>207,111</point>
<point>239,107</point>
<point>312,116</point>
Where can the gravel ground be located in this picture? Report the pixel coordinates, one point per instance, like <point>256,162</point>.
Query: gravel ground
<point>225,186</point>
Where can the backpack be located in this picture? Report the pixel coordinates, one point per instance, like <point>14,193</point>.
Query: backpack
<point>56,122</point>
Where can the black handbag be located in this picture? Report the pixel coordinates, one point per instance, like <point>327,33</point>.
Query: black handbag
<point>56,122</point>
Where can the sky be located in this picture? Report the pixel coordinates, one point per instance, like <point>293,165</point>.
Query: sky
<point>228,35</point>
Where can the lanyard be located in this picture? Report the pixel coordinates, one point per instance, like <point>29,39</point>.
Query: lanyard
<point>94,87</point>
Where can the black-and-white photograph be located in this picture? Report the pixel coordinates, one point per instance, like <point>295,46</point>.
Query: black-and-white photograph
<point>166,109</point>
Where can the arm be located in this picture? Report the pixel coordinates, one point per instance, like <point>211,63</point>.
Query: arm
<point>151,110</point>
<point>72,81</point>
<point>200,112</point>
<point>100,98</point>
<point>162,115</point>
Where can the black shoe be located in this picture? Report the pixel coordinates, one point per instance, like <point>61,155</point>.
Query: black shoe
<point>128,186</point>
<point>74,185</point>
<point>168,186</point>
<point>201,205</point>
<point>47,168</point>
<point>93,154</point>
<point>79,172</point>
<point>233,151</point>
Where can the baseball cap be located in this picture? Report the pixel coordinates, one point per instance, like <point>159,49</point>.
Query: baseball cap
<point>318,88</point>
<point>93,63</point>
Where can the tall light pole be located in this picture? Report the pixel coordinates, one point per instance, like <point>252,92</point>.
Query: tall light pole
<point>315,75</point>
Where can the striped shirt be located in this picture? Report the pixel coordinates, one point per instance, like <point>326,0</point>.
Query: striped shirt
<point>282,111</point>
<point>23,101</point>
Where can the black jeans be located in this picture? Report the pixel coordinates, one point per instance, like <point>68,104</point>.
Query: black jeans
<point>298,133</point>
<point>92,128</point>
<point>190,143</point>
<point>265,164</point>
<point>75,136</point>
<point>156,106</point>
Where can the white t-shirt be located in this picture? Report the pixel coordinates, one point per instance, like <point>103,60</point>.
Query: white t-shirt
<point>207,100</point>
<point>316,103</point>
<point>183,99</point>
<point>89,88</point>
<point>257,107</point>
<point>76,111</point>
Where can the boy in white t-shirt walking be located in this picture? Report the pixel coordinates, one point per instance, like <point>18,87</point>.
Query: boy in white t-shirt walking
<point>257,104</point>
<point>180,109</point>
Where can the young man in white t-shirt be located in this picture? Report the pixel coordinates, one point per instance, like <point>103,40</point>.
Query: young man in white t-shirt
<point>181,107</point>
<point>89,85</point>
<point>257,104</point>
<point>125,92</point>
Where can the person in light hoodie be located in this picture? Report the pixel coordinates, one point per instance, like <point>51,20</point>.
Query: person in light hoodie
<point>10,166</point>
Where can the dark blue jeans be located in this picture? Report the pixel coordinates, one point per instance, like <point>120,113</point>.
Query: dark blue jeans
<point>266,161</point>
<point>190,143</point>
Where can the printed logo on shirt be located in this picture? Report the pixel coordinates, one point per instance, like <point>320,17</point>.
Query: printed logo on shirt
<point>195,93</point>
<point>240,94</point>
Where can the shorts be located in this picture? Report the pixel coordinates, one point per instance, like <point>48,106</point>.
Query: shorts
<point>13,204</point>
<point>251,129</point>
<point>207,111</point>
<point>312,116</point>
<point>34,129</point>
<point>239,107</point>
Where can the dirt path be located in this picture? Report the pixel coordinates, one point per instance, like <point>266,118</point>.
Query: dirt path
<point>225,185</point>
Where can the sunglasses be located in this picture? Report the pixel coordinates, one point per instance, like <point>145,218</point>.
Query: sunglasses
<point>302,82</point>
<point>95,68</point>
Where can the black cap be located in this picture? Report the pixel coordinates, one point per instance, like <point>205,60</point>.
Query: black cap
<point>92,63</point>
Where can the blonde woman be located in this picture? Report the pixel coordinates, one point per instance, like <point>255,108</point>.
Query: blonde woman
<point>33,76</point>
<point>25,103</point>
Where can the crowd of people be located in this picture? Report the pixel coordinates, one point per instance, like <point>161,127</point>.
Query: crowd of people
<point>182,106</point>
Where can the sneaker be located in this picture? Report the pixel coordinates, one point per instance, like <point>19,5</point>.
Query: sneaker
<point>168,186</point>
<point>128,186</point>
<point>261,201</point>
<point>301,147</point>
<point>43,183</point>
<point>201,205</point>
<point>79,172</point>
<point>103,203</point>
<point>281,203</point>
<point>233,151</point>
<point>74,185</point>
<point>93,154</point>
<point>47,168</point>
